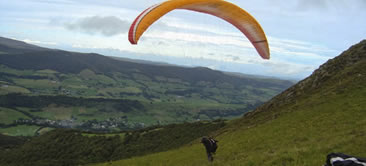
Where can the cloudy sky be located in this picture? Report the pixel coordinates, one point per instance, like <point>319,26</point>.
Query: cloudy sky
<point>302,34</point>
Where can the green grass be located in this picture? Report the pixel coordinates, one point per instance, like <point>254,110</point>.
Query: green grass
<point>47,71</point>
<point>22,130</point>
<point>121,135</point>
<point>57,113</point>
<point>141,77</point>
<point>4,82</point>
<point>5,89</point>
<point>6,69</point>
<point>8,116</point>
<point>72,81</point>
<point>45,130</point>
<point>39,84</point>
<point>117,91</point>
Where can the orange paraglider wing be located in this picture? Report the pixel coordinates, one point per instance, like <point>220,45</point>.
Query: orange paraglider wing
<point>219,8</point>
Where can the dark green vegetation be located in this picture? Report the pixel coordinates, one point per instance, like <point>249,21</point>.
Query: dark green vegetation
<point>324,113</point>
<point>10,142</point>
<point>71,147</point>
<point>42,87</point>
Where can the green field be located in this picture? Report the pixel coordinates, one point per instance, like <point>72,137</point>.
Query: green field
<point>5,89</point>
<point>21,130</point>
<point>165,100</point>
<point>8,116</point>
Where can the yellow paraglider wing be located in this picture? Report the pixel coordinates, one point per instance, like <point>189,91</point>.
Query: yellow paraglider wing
<point>219,8</point>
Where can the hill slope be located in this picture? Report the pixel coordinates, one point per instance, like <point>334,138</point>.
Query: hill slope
<point>15,46</point>
<point>66,147</point>
<point>321,114</point>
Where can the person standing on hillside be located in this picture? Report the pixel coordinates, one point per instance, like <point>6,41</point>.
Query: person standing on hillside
<point>210,145</point>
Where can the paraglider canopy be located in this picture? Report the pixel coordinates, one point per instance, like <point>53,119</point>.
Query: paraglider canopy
<point>233,14</point>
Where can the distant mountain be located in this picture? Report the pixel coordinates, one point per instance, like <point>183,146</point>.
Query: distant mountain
<point>144,61</point>
<point>15,46</point>
<point>152,93</point>
<point>38,58</point>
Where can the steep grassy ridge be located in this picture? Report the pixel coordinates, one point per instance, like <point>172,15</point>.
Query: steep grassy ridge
<point>324,113</point>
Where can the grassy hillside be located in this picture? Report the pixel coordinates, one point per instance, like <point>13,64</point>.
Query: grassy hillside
<point>323,113</point>
<point>87,90</point>
<point>63,147</point>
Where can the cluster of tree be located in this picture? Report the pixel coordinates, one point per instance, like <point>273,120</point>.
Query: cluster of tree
<point>10,142</point>
<point>120,123</point>
<point>13,100</point>
<point>5,75</point>
<point>70,147</point>
<point>214,113</point>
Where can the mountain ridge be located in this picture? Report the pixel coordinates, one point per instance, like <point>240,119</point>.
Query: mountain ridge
<point>41,59</point>
<point>15,46</point>
<point>355,54</point>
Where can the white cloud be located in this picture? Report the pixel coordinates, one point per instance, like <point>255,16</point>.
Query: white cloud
<point>286,54</point>
<point>108,25</point>
<point>197,38</point>
<point>202,28</point>
<point>287,68</point>
<point>331,4</point>
<point>36,42</point>
<point>56,1</point>
<point>299,45</point>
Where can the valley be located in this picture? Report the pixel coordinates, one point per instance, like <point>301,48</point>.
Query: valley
<point>42,87</point>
